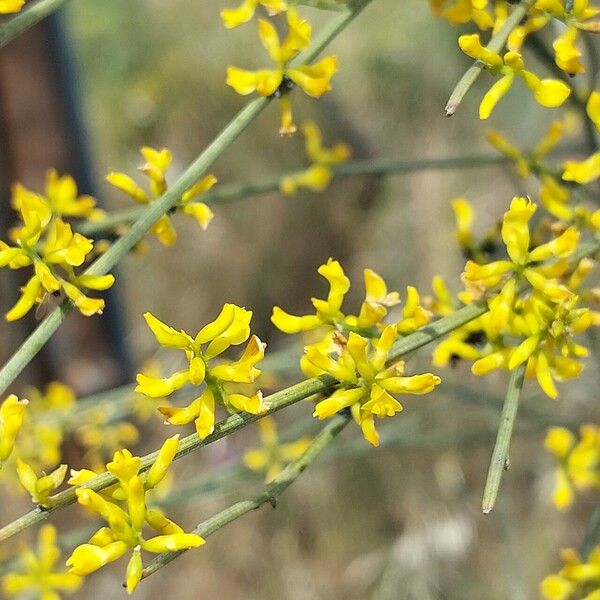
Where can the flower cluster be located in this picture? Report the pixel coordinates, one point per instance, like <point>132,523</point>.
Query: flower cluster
<point>155,168</point>
<point>37,574</point>
<point>578,462</point>
<point>124,508</point>
<point>313,79</point>
<point>547,318</point>
<point>230,328</point>
<point>547,92</point>
<point>360,365</point>
<point>272,456</point>
<point>318,176</point>
<point>46,243</point>
<point>577,580</point>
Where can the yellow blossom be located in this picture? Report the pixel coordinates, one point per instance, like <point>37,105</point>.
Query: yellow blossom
<point>40,488</point>
<point>272,456</point>
<point>328,311</point>
<point>36,574</point>
<point>60,197</point>
<point>578,462</point>
<point>576,577</point>
<point>583,172</point>
<point>313,79</point>
<point>11,418</point>
<point>11,6</point>
<point>516,236</point>
<point>232,17</point>
<point>155,168</point>
<point>318,176</point>
<point>463,11</point>
<point>547,92</point>
<point>231,327</point>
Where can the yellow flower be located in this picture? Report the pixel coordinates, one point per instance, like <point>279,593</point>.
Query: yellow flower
<point>313,79</point>
<point>578,462</point>
<point>155,168</point>
<point>36,574</point>
<point>576,577</point>
<point>516,237</point>
<point>11,418</point>
<point>367,384</point>
<point>583,172</point>
<point>40,488</point>
<point>11,6</point>
<point>536,20</point>
<point>60,197</point>
<point>593,108</point>
<point>463,11</point>
<point>231,327</point>
<point>126,512</point>
<point>328,311</point>
<point>414,316</point>
<point>547,92</point>
<point>566,54</point>
<point>318,176</point>
<point>232,17</point>
<point>272,456</point>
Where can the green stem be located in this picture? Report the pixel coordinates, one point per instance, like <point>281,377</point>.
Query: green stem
<point>27,18</point>
<point>36,340</point>
<point>228,193</point>
<point>500,459</point>
<point>268,494</point>
<point>592,534</point>
<point>495,44</point>
<point>275,402</point>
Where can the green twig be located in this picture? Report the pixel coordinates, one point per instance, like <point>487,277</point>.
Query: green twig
<point>268,494</point>
<point>27,18</point>
<point>36,340</point>
<point>495,44</point>
<point>500,459</point>
<point>228,193</point>
<point>592,534</point>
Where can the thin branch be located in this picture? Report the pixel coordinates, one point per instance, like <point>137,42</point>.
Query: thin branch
<point>38,338</point>
<point>268,494</point>
<point>28,18</point>
<point>231,192</point>
<point>592,534</point>
<point>500,459</point>
<point>495,44</point>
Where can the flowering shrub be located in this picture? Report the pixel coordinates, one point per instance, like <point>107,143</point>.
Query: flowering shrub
<point>527,306</point>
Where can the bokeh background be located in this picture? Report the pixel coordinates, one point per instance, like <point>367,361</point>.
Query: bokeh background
<point>402,521</point>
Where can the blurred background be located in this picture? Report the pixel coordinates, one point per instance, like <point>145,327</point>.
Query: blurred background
<point>83,92</point>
